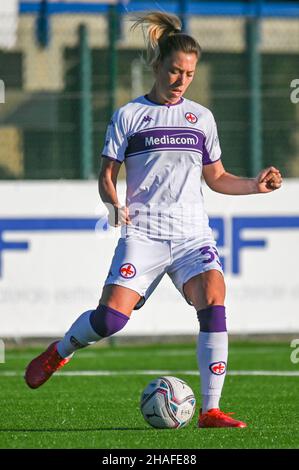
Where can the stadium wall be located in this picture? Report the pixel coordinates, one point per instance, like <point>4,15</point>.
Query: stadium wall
<point>55,252</point>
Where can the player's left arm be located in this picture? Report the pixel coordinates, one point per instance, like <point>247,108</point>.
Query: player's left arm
<point>219,180</point>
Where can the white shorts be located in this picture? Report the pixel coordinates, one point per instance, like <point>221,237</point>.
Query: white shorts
<point>140,262</point>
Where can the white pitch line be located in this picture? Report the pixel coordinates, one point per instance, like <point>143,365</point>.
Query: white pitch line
<point>92,355</point>
<point>166,353</point>
<point>111,373</point>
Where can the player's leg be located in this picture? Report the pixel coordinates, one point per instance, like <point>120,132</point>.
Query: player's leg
<point>124,287</point>
<point>120,298</point>
<point>111,315</point>
<point>206,291</point>
<point>197,273</point>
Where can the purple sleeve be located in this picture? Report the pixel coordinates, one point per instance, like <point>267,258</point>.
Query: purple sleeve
<point>211,146</point>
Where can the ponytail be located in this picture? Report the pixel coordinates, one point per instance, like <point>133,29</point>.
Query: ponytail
<point>163,35</point>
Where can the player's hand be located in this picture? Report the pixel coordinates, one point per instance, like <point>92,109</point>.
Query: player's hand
<point>268,180</point>
<point>118,215</point>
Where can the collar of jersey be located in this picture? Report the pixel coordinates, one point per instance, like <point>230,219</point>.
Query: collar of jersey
<point>161,104</point>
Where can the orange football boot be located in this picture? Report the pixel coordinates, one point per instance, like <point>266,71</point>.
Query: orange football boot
<point>40,369</point>
<point>215,418</point>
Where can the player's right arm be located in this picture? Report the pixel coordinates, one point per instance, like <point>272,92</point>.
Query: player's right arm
<point>107,188</point>
<point>113,156</point>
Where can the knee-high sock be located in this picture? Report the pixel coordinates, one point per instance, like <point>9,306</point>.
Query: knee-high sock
<point>212,354</point>
<point>91,327</point>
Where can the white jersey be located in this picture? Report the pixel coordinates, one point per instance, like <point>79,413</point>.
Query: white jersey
<point>164,148</point>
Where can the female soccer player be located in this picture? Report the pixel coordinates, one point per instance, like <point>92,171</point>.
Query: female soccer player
<point>167,143</point>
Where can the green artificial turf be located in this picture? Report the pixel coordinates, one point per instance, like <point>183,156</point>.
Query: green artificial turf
<point>103,411</point>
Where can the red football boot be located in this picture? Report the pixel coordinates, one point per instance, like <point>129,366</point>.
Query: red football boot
<point>215,418</point>
<point>40,369</point>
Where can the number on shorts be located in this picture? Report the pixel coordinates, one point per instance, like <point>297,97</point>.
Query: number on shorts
<point>212,252</point>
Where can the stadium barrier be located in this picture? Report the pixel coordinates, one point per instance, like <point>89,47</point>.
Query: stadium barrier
<point>55,252</point>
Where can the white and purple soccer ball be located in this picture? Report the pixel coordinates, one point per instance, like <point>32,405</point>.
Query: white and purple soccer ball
<point>167,402</point>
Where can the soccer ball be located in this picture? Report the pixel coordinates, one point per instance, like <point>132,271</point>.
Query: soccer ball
<point>167,402</point>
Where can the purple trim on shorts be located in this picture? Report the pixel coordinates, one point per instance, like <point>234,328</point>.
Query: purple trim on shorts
<point>106,321</point>
<point>112,159</point>
<point>212,319</point>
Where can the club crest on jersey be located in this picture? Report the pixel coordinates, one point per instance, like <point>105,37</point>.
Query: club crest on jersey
<point>127,270</point>
<point>218,368</point>
<point>191,118</point>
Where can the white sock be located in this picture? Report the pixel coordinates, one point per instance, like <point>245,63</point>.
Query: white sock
<point>212,355</point>
<point>79,335</point>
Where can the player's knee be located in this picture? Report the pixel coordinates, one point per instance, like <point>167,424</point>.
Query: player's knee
<point>107,321</point>
<point>211,298</point>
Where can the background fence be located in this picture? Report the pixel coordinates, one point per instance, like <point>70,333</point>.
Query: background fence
<point>68,64</point>
<point>64,67</point>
